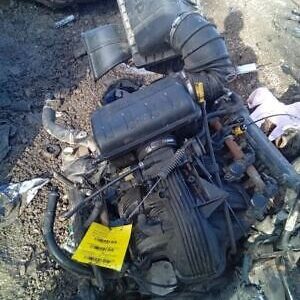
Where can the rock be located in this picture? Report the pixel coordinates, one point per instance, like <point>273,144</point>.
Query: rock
<point>82,151</point>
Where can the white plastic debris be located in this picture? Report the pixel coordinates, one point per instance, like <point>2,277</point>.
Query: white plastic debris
<point>266,105</point>
<point>136,71</point>
<point>245,69</point>
<point>64,21</point>
<point>14,197</point>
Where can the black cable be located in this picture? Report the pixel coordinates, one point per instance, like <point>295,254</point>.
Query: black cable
<point>274,115</point>
<point>209,144</point>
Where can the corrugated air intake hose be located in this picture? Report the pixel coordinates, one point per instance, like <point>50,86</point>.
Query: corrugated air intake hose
<point>203,52</point>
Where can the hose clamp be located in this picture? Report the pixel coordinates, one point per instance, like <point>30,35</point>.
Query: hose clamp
<point>155,145</point>
<point>177,21</point>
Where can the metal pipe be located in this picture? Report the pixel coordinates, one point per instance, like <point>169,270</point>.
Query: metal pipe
<point>63,134</point>
<point>279,166</point>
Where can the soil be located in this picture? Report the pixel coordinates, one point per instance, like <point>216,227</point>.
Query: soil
<point>260,32</point>
<point>38,61</point>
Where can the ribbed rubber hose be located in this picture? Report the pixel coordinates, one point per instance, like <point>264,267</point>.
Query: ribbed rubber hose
<point>203,52</point>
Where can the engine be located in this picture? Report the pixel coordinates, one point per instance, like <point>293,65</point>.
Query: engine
<point>185,177</point>
<point>187,221</point>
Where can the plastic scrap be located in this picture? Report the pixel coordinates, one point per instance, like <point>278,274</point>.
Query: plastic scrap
<point>136,71</point>
<point>14,197</point>
<point>265,104</point>
<point>64,21</point>
<point>245,69</point>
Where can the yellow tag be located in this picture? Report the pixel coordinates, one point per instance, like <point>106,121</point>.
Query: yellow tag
<point>103,246</point>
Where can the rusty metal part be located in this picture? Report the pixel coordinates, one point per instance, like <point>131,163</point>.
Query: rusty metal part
<point>238,154</point>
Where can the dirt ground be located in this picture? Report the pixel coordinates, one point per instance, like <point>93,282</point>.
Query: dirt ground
<point>261,32</point>
<point>38,61</point>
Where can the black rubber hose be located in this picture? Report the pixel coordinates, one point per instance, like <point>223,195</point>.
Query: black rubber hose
<point>204,53</point>
<point>94,214</point>
<point>63,260</point>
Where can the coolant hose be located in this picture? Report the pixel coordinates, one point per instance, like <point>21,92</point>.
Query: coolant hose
<point>63,260</point>
<point>203,52</point>
<point>70,136</point>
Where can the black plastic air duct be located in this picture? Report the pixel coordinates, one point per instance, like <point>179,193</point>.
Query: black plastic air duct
<point>203,52</point>
<point>158,31</point>
<point>164,36</point>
